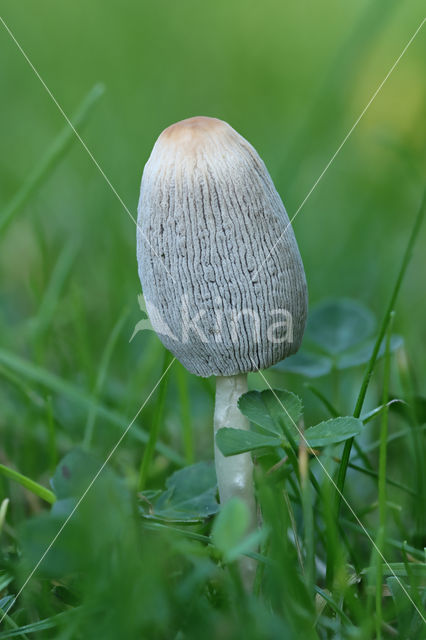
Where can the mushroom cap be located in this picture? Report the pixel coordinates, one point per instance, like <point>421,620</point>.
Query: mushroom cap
<point>221,296</point>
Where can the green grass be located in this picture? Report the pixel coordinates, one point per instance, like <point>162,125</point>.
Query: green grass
<point>148,554</point>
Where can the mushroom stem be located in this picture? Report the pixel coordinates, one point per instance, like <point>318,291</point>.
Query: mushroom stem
<point>235,473</point>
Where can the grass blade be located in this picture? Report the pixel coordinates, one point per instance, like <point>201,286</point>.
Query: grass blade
<point>308,517</point>
<point>374,474</point>
<point>370,367</point>
<point>16,631</point>
<point>34,627</point>
<point>103,367</point>
<point>155,427</point>
<point>34,487</point>
<point>382,483</point>
<point>54,154</point>
<point>333,605</point>
<point>3,511</point>
<point>40,323</point>
<point>417,441</point>
<point>51,435</point>
<point>55,383</point>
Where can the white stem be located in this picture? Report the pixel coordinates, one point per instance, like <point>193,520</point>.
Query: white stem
<point>235,473</point>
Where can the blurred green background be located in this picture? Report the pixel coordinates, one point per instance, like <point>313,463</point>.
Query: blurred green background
<point>291,77</point>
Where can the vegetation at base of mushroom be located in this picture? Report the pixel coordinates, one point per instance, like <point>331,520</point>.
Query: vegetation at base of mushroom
<point>178,529</point>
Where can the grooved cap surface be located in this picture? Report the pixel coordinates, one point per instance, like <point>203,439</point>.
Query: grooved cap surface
<point>208,219</point>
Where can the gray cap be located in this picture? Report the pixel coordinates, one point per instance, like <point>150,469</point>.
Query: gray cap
<point>224,296</point>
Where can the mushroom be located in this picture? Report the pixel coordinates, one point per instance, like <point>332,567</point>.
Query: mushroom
<point>224,295</point>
